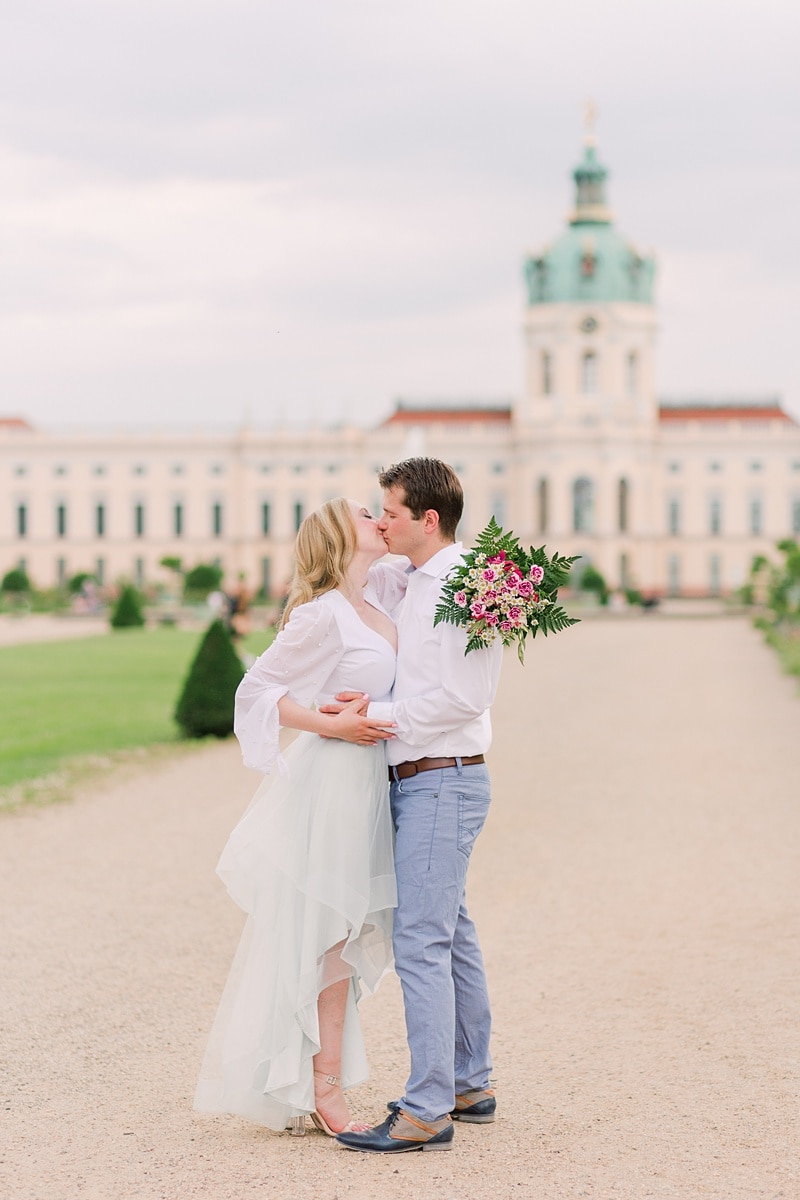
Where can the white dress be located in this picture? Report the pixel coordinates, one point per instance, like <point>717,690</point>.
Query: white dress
<point>311,863</point>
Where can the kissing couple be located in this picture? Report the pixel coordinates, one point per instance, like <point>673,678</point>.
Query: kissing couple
<point>356,852</point>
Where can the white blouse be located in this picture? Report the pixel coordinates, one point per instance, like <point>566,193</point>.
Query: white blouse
<point>323,649</point>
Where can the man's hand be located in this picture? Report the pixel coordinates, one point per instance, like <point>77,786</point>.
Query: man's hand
<point>344,698</point>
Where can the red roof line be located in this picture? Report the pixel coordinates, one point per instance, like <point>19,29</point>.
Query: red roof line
<point>720,412</point>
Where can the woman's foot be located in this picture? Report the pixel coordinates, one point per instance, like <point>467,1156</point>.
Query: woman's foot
<point>332,1115</point>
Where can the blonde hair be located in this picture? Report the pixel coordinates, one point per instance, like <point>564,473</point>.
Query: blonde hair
<point>324,549</point>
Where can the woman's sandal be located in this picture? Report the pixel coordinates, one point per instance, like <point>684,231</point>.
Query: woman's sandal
<point>322,1124</point>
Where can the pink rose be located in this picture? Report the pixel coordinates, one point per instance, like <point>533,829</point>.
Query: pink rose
<point>477,609</point>
<point>461,599</point>
<point>490,594</point>
<point>506,626</point>
<point>515,614</point>
<point>525,588</point>
<point>497,558</point>
<point>490,574</point>
<point>537,573</point>
<point>492,618</point>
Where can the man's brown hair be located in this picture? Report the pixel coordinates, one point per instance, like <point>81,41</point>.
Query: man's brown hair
<point>428,483</point>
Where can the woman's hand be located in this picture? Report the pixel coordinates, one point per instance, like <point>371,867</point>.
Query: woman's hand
<point>351,723</point>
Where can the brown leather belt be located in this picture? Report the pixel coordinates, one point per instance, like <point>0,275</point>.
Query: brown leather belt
<point>407,769</point>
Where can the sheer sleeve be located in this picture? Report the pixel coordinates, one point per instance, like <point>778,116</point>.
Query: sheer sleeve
<point>389,581</point>
<point>297,663</point>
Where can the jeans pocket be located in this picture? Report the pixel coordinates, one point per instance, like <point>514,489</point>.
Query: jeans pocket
<point>472,811</point>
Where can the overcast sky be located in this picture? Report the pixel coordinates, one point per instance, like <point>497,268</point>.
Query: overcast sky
<point>212,209</point>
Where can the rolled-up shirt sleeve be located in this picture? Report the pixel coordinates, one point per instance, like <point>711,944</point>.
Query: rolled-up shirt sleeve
<point>298,662</point>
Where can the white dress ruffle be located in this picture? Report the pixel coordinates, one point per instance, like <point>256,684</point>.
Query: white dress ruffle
<point>311,863</point>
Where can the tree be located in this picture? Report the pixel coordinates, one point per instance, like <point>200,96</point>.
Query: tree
<point>206,702</point>
<point>776,585</point>
<point>204,578</point>
<point>592,581</point>
<point>127,612</point>
<point>76,582</point>
<point>15,580</point>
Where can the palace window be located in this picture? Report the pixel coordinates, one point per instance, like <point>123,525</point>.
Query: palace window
<point>623,504</point>
<point>216,519</point>
<point>177,519</point>
<point>674,516</point>
<point>61,520</point>
<point>138,520</point>
<point>715,515</point>
<point>99,469</point>
<point>138,571</point>
<point>547,374</point>
<point>632,374</point>
<point>796,514</point>
<point>674,575</point>
<point>298,515</point>
<point>265,518</point>
<point>543,505</point>
<point>756,466</point>
<point>714,574</point>
<point>583,505</point>
<point>21,469</point>
<point>100,571</point>
<point>589,373</point>
<point>266,577</point>
<point>624,571</point>
<point>756,515</point>
<point>100,520</point>
<point>22,520</point>
<point>61,571</point>
<point>498,506</point>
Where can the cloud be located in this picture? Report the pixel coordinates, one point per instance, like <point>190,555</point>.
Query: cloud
<point>327,205</point>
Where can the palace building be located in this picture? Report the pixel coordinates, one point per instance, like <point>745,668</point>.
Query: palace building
<point>670,497</point>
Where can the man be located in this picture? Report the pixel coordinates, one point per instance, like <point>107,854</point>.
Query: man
<point>440,797</point>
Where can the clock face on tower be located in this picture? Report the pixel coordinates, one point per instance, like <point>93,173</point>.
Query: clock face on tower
<point>588,325</point>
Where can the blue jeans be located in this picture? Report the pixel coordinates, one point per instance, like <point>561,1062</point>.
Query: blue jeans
<point>437,817</point>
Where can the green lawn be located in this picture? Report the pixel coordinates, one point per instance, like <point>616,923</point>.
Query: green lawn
<point>91,696</point>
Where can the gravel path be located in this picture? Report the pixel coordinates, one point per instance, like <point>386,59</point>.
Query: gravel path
<point>637,893</point>
<point>47,628</point>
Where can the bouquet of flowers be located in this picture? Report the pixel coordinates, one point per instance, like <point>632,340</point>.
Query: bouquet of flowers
<point>500,590</point>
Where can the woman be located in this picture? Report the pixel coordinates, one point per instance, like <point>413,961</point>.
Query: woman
<point>311,860</point>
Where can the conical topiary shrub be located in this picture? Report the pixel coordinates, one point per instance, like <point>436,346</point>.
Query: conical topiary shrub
<point>127,612</point>
<point>206,703</point>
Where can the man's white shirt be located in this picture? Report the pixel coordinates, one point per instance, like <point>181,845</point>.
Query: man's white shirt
<point>441,697</point>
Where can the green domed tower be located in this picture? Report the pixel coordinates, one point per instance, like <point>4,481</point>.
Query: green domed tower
<point>590,321</point>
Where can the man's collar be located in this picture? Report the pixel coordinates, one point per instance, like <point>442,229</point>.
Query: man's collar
<point>442,560</point>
